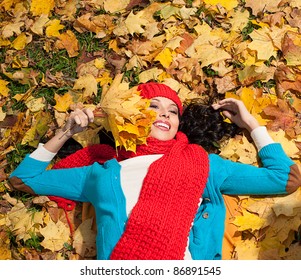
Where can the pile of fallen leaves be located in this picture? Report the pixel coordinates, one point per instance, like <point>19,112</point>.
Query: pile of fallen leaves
<point>59,54</point>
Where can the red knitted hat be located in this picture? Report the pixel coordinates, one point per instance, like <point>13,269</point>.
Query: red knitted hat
<point>150,90</point>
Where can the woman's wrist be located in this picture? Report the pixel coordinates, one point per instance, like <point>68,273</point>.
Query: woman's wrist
<point>64,133</point>
<point>252,124</point>
<point>57,141</point>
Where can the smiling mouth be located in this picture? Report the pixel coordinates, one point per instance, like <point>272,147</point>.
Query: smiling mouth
<point>162,125</point>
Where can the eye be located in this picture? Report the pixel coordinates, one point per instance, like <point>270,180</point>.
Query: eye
<point>174,112</point>
<point>154,106</point>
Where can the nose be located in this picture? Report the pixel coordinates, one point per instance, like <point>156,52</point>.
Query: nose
<point>164,115</point>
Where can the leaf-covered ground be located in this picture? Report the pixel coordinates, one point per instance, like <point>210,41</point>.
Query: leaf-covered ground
<point>55,55</point>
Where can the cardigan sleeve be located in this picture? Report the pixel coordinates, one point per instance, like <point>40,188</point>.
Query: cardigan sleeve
<point>33,177</point>
<point>278,174</point>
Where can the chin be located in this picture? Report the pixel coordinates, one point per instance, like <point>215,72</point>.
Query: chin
<point>162,137</point>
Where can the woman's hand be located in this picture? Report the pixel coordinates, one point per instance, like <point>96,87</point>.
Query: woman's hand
<point>237,112</point>
<point>78,121</point>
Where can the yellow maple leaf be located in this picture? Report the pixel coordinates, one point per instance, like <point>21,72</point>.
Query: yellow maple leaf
<point>100,63</point>
<point>4,90</point>
<point>259,104</point>
<point>63,102</point>
<point>264,5</point>
<point>39,24</point>
<point>250,59</point>
<point>84,239</point>
<point>105,79</point>
<point>69,42</point>
<point>2,115</point>
<point>60,118</point>
<point>227,4</point>
<point>248,221</point>
<point>263,44</point>
<point>127,116</point>
<point>113,45</point>
<point>38,7</point>
<point>115,95</point>
<point>174,42</point>
<point>5,252</point>
<point>21,221</point>
<point>35,104</point>
<point>88,137</point>
<point>12,29</point>
<point>69,9</point>
<point>209,54</point>
<point>150,74</point>
<point>240,149</point>
<point>293,253</point>
<point>88,84</point>
<point>135,23</point>
<point>20,42</point>
<point>283,225</point>
<point>38,129</point>
<point>270,248</point>
<point>247,250</point>
<point>262,207</point>
<point>288,145</point>
<point>53,28</point>
<point>169,10</point>
<point>247,96</point>
<point>286,205</point>
<point>55,235</point>
<point>115,6</point>
<point>238,19</point>
<point>230,94</point>
<point>4,42</point>
<point>7,4</point>
<point>250,74</point>
<point>165,57</point>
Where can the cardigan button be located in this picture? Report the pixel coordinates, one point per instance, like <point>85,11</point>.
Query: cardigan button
<point>205,215</point>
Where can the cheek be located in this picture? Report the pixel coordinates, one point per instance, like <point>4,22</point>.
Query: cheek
<point>176,124</point>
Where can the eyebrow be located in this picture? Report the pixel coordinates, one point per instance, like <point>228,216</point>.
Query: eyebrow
<point>172,104</point>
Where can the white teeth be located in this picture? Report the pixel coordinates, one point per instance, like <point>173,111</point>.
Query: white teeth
<point>163,125</point>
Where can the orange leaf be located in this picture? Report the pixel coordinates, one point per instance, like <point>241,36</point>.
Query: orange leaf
<point>283,117</point>
<point>69,42</point>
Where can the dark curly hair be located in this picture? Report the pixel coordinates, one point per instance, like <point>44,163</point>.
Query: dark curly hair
<point>205,126</point>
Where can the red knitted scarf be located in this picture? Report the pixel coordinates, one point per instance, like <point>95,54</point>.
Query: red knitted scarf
<point>159,224</point>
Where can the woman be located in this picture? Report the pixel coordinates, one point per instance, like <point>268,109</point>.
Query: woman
<point>165,201</point>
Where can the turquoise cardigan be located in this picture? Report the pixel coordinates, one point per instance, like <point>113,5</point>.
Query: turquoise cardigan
<point>100,185</point>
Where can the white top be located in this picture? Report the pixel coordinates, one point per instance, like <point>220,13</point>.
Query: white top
<point>133,170</point>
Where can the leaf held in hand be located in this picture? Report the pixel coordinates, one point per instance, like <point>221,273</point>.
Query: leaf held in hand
<point>127,116</point>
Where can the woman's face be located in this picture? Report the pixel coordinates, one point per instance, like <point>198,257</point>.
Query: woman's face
<point>166,125</point>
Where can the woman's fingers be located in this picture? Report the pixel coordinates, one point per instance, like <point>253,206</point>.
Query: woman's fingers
<point>89,114</point>
<point>82,117</point>
<point>228,114</point>
<point>230,104</point>
<point>237,112</point>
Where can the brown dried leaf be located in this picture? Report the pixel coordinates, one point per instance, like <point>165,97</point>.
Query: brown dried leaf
<point>283,117</point>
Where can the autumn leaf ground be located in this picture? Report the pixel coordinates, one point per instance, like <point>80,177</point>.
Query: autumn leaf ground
<point>55,55</point>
